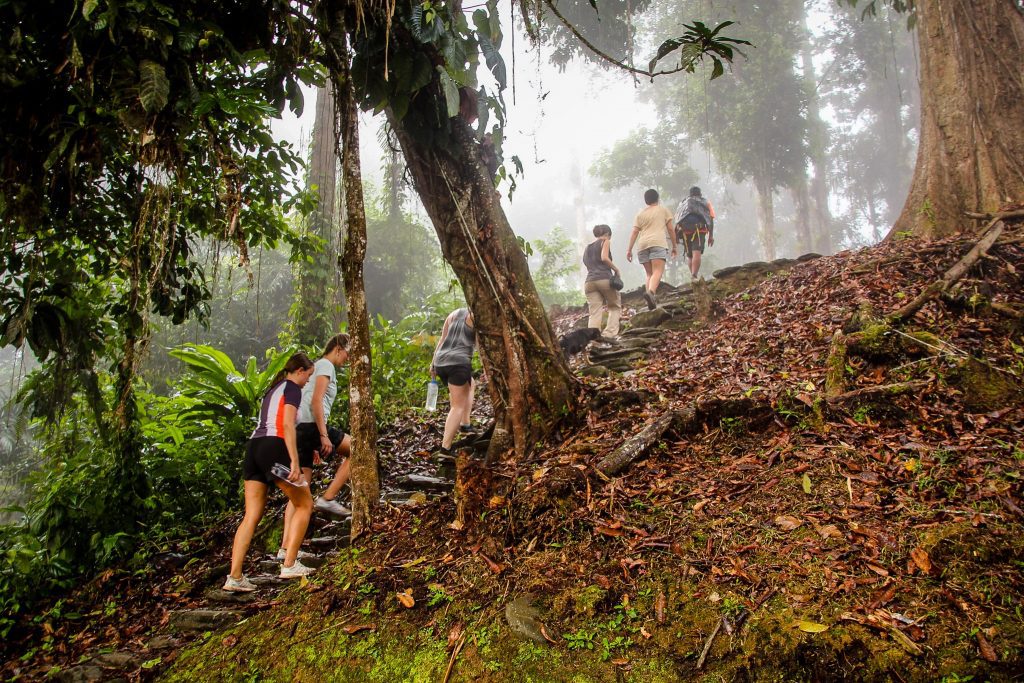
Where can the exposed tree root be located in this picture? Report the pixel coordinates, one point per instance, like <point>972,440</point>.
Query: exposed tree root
<point>869,393</point>
<point>636,445</point>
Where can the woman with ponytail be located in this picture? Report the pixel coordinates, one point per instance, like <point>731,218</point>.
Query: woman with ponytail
<point>273,444</point>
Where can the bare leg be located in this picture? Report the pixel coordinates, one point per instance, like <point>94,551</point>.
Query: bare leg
<point>255,501</point>
<point>302,502</point>
<point>460,397</point>
<point>466,419</point>
<point>341,476</point>
<point>289,510</point>
<point>657,270</point>
<point>695,263</point>
<point>649,269</point>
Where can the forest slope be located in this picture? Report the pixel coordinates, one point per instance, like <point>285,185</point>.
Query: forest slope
<point>794,521</point>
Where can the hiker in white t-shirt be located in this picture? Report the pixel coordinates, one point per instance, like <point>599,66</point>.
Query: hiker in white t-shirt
<point>317,441</point>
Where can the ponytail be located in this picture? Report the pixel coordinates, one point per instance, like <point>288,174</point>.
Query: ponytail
<point>297,361</point>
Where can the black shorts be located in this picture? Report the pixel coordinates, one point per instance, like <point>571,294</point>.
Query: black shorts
<point>455,375</point>
<point>692,238</point>
<point>308,437</point>
<point>260,455</point>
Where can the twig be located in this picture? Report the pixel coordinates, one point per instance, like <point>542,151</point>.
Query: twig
<point>708,642</point>
<point>455,653</point>
<point>997,216</point>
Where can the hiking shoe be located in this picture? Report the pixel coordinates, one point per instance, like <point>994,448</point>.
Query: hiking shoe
<point>652,303</point>
<point>296,571</point>
<point>467,429</point>
<point>301,556</point>
<point>242,585</point>
<point>331,506</point>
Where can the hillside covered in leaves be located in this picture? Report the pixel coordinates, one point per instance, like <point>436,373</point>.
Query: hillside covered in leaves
<point>805,480</point>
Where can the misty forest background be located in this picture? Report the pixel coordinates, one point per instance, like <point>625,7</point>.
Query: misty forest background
<point>806,144</point>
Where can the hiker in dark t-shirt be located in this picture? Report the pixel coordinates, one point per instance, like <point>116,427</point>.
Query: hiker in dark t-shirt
<point>695,222</point>
<point>597,258</point>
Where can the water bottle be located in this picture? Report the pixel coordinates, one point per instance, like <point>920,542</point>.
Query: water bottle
<point>282,471</point>
<point>432,394</point>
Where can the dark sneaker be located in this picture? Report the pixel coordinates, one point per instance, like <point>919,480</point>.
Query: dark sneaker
<point>467,429</point>
<point>652,303</point>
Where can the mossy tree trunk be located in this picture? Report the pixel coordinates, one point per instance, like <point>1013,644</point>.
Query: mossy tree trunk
<point>530,384</point>
<point>362,419</point>
<point>971,155</point>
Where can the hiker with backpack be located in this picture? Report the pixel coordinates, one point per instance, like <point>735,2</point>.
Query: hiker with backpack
<point>695,222</point>
<point>652,231</point>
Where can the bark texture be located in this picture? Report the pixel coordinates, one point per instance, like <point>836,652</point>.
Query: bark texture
<point>317,313</point>
<point>364,476</point>
<point>971,155</point>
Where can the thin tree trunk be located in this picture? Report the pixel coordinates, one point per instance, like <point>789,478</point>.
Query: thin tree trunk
<point>802,203</point>
<point>362,420</point>
<point>766,218</point>
<point>817,142</point>
<point>971,155</point>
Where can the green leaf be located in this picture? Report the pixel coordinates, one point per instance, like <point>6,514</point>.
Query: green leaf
<point>153,86</point>
<point>88,7</point>
<point>494,61</point>
<point>451,92</point>
<point>718,69</point>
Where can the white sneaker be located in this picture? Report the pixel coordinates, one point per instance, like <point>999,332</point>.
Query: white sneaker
<point>242,585</point>
<point>331,506</point>
<point>302,554</point>
<point>295,571</point>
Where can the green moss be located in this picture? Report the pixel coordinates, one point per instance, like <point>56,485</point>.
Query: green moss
<point>984,387</point>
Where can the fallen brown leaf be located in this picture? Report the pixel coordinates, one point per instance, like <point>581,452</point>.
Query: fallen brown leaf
<point>406,598</point>
<point>787,522</point>
<point>988,653</point>
<point>921,560</point>
<point>356,628</point>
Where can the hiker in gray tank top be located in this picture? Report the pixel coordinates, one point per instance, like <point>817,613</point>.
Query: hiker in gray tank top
<point>597,257</point>
<point>453,364</point>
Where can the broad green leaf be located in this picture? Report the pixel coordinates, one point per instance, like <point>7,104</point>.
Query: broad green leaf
<point>154,87</point>
<point>88,7</point>
<point>451,92</point>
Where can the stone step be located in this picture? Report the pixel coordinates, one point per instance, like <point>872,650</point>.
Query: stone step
<point>202,619</point>
<point>269,580</point>
<point>228,597</point>
<point>419,482</point>
<point>322,543</point>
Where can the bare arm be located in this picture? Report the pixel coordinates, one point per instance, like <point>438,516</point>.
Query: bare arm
<point>632,241</point>
<point>606,256</point>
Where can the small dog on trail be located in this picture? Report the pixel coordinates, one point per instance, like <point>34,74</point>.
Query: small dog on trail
<point>577,340</point>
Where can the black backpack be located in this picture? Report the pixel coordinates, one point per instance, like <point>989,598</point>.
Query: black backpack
<point>694,206</point>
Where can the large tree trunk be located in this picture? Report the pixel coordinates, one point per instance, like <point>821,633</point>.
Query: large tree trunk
<point>971,155</point>
<point>362,420</point>
<point>529,382</point>
<point>317,313</point>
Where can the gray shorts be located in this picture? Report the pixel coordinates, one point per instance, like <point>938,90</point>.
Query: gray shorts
<point>651,253</point>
